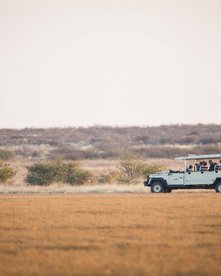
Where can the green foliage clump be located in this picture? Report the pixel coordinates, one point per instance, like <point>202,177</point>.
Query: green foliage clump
<point>6,172</point>
<point>72,174</point>
<point>6,154</point>
<point>56,171</point>
<point>41,174</point>
<point>132,168</point>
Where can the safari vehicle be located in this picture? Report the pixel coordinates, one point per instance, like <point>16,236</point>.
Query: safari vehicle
<point>166,181</point>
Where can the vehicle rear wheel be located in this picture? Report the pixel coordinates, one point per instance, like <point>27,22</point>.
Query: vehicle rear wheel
<point>157,187</point>
<point>218,187</point>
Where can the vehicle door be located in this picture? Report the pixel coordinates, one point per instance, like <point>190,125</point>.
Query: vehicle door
<point>199,178</point>
<point>175,179</point>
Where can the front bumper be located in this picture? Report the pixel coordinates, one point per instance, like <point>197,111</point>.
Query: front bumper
<point>146,182</point>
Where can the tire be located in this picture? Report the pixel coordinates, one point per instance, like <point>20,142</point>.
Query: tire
<point>157,187</point>
<point>218,187</point>
<point>168,190</point>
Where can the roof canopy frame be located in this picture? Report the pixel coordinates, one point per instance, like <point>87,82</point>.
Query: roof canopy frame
<point>199,157</point>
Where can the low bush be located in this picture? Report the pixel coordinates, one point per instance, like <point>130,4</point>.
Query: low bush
<point>108,178</point>
<point>131,169</point>
<point>56,171</point>
<point>75,175</point>
<point>6,172</point>
<point>6,154</point>
<point>149,169</point>
<point>41,174</point>
<point>66,152</point>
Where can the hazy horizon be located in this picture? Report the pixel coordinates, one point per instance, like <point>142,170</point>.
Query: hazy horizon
<point>108,126</point>
<point>120,63</point>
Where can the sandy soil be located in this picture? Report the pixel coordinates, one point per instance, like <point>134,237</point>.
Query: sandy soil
<point>111,234</point>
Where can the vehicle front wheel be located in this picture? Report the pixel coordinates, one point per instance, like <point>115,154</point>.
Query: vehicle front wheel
<point>157,187</point>
<point>218,187</point>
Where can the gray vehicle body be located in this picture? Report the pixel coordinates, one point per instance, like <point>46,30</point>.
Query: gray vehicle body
<point>184,179</point>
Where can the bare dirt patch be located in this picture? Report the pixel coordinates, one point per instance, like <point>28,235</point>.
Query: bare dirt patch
<point>110,234</point>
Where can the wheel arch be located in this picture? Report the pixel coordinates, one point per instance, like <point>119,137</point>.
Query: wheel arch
<point>159,179</point>
<point>218,179</point>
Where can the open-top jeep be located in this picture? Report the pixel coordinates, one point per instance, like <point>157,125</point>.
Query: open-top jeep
<point>196,176</point>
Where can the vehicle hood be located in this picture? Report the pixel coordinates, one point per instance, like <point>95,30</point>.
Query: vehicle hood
<point>159,174</point>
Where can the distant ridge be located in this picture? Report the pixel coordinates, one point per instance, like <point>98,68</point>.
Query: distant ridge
<point>111,142</point>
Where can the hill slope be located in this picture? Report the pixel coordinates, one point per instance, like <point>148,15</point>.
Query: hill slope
<point>112,142</point>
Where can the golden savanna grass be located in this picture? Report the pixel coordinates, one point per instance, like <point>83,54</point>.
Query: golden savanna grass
<point>95,167</point>
<point>111,234</point>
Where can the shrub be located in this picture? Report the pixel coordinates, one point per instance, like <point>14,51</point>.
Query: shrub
<point>108,178</point>
<point>75,175</point>
<point>6,154</point>
<point>6,172</point>
<point>131,169</point>
<point>207,140</point>
<point>149,169</point>
<point>41,174</point>
<point>56,171</point>
<point>66,152</point>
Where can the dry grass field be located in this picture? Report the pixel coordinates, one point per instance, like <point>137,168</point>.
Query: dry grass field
<point>111,234</point>
<point>95,167</point>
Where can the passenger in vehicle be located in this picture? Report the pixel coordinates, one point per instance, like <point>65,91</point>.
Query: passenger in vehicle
<point>211,165</point>
<point>197,167</point>
<point>218,166</point>
<point>189,169</point>
<point>203,166</point>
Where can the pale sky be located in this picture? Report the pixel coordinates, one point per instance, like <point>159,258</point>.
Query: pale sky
<point>119,62</point>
